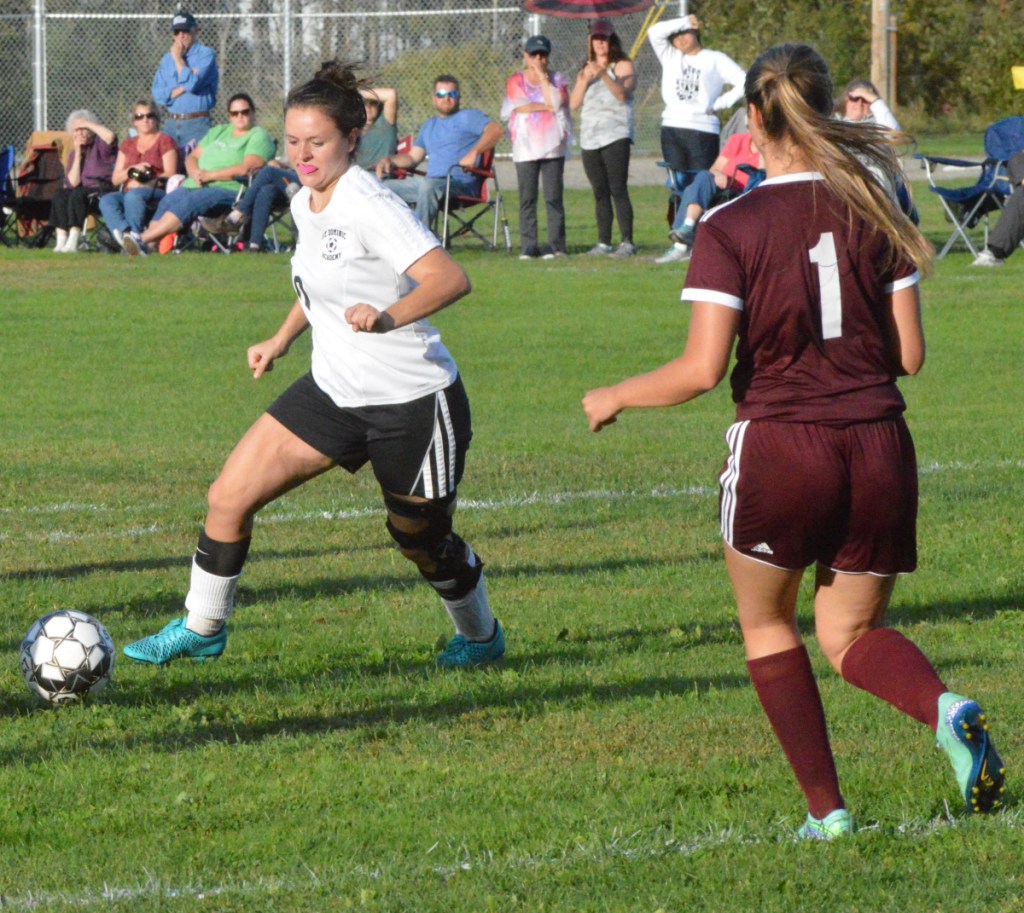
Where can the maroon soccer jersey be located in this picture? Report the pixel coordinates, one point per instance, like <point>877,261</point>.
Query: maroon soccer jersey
<point>812,284</point>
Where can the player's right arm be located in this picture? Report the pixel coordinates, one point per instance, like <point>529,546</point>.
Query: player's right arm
<point>700,368</point>
<point>261,357</point>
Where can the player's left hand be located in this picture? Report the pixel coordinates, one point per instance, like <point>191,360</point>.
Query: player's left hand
<point>366,319</point>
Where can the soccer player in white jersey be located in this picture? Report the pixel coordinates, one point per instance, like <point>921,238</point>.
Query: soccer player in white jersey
<point>814,276</point>
<point>382,389</point>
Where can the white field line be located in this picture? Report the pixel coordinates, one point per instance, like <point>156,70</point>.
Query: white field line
<point>635,847</point>
<point>280,513</point>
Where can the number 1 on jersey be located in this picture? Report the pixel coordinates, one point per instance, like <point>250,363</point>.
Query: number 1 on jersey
<point>824,256</point>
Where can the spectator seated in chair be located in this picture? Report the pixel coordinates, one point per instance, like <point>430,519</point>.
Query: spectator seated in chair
<point>141,171</point>
<point>272,186</point>
<point>88,175</point>
<point>726,179</point>
<point>1009,231</point>
<point>454,137</point>
<point>226,153</point>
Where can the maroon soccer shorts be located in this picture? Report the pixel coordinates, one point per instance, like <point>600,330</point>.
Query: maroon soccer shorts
<point>793,494</point>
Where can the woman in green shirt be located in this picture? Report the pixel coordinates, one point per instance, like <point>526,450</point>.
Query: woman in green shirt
<point>226,153</point>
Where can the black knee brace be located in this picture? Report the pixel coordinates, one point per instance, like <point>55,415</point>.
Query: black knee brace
<point>224,559</point>
<point>453,575</point>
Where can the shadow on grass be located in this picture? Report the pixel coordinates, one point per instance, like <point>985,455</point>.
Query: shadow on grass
<point>953,610</point>
<point>182,561</point>
<point>549,675</point>
<point>525,698</point>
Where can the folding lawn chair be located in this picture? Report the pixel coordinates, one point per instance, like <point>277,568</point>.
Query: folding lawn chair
<point>968,206</point>
<point>35,182</point>
<point>676,182</point>
<point>8,220</point>
<point>463,210</point>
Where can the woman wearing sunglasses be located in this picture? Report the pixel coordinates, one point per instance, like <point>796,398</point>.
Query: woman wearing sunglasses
<point>225,154</point>
<point>862,104</point>
<point>536,107</point>
<point>143,165</point>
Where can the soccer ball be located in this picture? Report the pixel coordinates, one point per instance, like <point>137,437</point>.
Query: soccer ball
<point>67,655</point>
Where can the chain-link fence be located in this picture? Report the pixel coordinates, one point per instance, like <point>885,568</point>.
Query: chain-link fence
<point>57,56</point>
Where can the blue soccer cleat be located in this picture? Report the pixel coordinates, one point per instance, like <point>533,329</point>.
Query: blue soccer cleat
<point>175,641</point>
<point>963,735</point>
<point>834,824</point>
<point>463,654</point>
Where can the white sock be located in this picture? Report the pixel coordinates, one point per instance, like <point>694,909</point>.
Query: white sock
<point>471,614</point>
<point>210,601</point>
<point>234,217</point>
<point>71,245</point>
<point>62,239</point>
<point>689,223</point>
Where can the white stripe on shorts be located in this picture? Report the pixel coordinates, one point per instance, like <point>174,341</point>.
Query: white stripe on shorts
<point>438,468</point>
<point>730,478</point>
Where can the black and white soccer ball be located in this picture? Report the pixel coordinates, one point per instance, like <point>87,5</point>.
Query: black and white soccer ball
<point>67,655</point>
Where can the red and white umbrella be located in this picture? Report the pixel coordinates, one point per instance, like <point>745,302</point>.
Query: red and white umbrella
<point>586,9</point>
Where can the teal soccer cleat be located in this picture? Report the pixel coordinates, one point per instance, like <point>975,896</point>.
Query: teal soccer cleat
<point>834,824</point>
<point>175,641</point>
<point>963,735</point>
<point>463,654</point>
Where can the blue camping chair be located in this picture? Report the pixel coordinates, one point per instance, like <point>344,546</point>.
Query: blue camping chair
<point>968,206</point>
<point>678,181</point>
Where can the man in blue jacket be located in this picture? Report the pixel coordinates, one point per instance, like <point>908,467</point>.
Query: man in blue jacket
<point>185,84</point>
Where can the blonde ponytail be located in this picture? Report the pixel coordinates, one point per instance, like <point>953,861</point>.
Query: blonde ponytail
<point>791,87</point>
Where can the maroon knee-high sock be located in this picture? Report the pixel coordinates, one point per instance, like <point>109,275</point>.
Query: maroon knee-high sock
<point>884,663</point>
<point>788,693</point>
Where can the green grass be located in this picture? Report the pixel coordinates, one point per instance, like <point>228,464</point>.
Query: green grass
<point>618,762</point>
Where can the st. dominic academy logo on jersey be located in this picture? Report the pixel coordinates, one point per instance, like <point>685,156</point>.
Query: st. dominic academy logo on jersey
<point>330,243</point>
<point>688,83</point>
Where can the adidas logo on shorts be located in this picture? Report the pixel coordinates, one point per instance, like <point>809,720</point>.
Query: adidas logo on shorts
<point>763,548</point>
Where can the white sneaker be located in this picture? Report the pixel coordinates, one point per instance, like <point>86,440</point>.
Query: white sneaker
<point>118,236</point>
<point>987,258</point>
<point>600,250</point>
<point>134,246</point>
<point>677,253</point>
<point>624,251</point>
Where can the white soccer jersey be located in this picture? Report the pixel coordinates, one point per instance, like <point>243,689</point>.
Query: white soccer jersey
<point>357,251</point>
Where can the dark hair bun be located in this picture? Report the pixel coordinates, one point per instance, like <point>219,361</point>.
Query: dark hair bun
<point>338,74</point>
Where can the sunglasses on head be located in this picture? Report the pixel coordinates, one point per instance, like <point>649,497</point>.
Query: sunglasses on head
<point>148,115</point>
<point>446,93</point>
<point>240,111</point>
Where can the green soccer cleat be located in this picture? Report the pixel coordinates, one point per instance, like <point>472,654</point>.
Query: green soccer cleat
<point>175,641</point>
<point>834,824</point>
<point>963,735</point>
<point>463,654</point>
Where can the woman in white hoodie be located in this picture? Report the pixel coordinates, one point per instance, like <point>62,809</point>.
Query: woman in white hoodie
<point>693,81</point>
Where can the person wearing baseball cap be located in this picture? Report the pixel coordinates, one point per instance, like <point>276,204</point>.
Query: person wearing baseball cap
<point>693,81</point>
<point>603,94</point>
<point>536,107</point>
<point>185,84</point>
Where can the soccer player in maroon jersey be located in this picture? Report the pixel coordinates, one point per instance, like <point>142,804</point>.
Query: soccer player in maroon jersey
<point>814,274</point>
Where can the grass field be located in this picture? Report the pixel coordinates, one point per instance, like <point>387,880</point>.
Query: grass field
<point>618,761</point>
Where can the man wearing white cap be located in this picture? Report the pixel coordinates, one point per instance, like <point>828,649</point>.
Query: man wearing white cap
<point>185,84</point>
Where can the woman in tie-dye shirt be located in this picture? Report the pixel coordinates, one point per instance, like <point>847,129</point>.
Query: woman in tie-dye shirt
<point>536,107</point>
